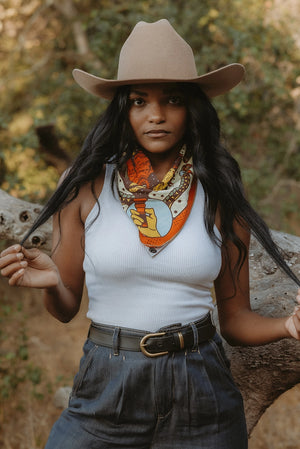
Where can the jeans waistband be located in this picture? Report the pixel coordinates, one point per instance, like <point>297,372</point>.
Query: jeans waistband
<point>168,339</point>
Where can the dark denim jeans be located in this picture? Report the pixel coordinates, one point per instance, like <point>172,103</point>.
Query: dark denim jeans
<point>183,400</point>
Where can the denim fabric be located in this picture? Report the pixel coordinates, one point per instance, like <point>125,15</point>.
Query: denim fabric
<point>183,400</point>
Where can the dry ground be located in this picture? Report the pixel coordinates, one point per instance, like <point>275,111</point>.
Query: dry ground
<point>30,380</point>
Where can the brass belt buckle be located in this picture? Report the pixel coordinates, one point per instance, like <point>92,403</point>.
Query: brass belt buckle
<point>143,345</point>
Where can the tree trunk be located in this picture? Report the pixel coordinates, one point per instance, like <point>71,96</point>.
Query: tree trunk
<point>263,373</point>
<point>50,147</point>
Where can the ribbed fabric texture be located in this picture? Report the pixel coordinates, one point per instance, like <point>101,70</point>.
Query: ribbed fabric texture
<point>130,286</point>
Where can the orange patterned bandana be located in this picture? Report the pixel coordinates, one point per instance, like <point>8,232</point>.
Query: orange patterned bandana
<point>159,209</point>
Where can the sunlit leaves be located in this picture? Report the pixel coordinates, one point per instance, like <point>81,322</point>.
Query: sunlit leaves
<point>38,50</point>
<point>27,174</point>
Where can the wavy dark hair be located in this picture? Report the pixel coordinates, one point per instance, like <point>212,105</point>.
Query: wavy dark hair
<point>112,141</point>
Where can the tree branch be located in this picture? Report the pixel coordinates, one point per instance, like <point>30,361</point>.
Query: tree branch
<point>16,218</point>
<point>68,9</point>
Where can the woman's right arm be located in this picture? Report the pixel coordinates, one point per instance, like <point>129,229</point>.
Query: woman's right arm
<point>63,299</point>
<point>61,275</point>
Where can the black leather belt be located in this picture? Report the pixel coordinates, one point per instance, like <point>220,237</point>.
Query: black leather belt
<point>168,339</point>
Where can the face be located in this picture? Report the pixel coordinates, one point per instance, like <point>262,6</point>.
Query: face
<point>158,117</point>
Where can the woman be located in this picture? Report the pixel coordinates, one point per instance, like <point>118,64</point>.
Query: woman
<point>150,215</point>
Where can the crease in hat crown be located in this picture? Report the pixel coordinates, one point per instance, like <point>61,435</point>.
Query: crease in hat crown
<point>155,52</point>
<point>160,51</point>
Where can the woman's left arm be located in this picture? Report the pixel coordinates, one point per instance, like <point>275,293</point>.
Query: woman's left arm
<point>239,325</point>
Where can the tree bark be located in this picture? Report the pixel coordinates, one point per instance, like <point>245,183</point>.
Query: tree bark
<point>16,218</point>
<point>263,373</point>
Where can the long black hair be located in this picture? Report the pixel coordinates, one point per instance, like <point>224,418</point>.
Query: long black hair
<point>112,141</point>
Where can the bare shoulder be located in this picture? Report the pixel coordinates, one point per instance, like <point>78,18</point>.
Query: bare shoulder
<point>79,208</point>
<point>86,197</point>
<point>68,225</point>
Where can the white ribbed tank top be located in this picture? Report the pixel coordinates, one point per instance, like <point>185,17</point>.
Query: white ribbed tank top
<point>130,286</point>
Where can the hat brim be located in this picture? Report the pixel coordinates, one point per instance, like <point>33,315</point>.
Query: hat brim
<point>212,83</point>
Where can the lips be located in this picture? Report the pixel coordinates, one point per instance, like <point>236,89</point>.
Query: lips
<point>157,133</point>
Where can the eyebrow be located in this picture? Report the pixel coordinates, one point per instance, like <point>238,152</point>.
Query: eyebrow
<point>167,91</point>
<point>138,92</point>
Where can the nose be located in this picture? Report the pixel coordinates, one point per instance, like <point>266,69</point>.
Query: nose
<point>156,113</point>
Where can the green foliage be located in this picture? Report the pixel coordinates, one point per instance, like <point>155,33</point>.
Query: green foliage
<point>39,49</point>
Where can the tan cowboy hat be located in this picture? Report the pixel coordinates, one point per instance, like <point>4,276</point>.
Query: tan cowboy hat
<point>155,53</point>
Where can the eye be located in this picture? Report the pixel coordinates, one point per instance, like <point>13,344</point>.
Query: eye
<point>176,100</point>
<point>137,101</point>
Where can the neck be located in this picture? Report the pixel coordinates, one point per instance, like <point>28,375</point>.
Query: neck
<point>162,162</point>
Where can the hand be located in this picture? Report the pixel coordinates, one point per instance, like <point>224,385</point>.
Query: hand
<point>28,267</point>
<point>138,219</point>
<point>292,324</point>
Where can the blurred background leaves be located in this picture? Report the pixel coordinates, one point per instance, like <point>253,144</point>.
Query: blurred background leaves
<point>44,115</point>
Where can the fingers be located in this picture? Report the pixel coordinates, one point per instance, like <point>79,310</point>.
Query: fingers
<point>11,262</point>
<point>293,323</point>
<point>10,269</point>
<point>139,219</point>
<point>31,253</point>
<point>296,321</point>
<point>296,312</point>
<point>11,250</point>
<point>150,212</point>
<point>28,267</point>
<point>136,217</point>
<point>11,255</point>
<point>16,278</point>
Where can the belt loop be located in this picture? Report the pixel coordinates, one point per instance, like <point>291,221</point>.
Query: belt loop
<point>196,337</point>
<point>115,340</point>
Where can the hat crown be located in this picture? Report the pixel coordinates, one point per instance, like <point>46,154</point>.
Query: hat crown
<point>156,53</point>
<point>156,49</point>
